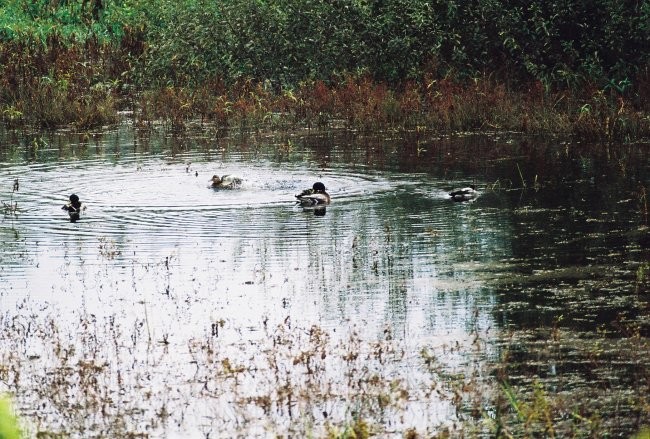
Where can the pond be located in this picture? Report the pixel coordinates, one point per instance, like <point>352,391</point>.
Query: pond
<point>171,309</point>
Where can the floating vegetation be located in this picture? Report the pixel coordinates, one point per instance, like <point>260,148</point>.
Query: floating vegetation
<point>111,380</point>
<point>538,397</point>
<point>107,379</point>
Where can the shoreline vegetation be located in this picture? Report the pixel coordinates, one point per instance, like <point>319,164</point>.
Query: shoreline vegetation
<point>571,69</point>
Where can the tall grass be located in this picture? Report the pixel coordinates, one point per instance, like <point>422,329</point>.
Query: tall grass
<point>488,65</point>
<point>361,103</point>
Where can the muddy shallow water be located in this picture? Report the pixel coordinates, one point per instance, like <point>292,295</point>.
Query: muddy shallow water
<point>149,315</point>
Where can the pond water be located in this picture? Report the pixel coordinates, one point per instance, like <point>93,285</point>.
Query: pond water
<point>553,249</point>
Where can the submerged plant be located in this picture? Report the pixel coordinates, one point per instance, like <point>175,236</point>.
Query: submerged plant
<point>643,277</point>
<point>643,202</point>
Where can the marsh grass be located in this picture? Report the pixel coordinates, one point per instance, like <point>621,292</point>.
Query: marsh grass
<point>360,103</point>
<point>537,399</point>
<point>11,208</point>
<point>110,378</point>
<point>472,67</point>
<point>642,194</point>
<point>86,85</point>
<point>59,84</point>
<point>104,379</point>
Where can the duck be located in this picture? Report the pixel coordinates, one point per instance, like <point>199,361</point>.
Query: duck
<point>74,207</point>
<point>464,194</point>
<point>317,195</point>
<point>225,182</point>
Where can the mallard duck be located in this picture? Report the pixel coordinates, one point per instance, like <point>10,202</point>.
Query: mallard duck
<point>464,194</point>
<point>74,207</point>
<point>314,196</point>
<point>225,182</point>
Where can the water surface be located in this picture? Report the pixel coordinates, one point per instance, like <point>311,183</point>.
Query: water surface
<point>555,241</point>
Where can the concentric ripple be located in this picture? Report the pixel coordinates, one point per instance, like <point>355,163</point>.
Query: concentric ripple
<point>170,200</point>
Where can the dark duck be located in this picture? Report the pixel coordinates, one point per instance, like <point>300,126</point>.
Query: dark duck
<point>317,195</point>
<point>74,207</point>
<point>464,194</point>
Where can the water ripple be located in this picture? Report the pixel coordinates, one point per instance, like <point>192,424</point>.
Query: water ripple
<point>164,200</point>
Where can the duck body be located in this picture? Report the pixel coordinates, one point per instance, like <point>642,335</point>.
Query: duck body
<point>464,194</point>
<point>317,195</point>
<point>225,182</point>
<point>74,208</point>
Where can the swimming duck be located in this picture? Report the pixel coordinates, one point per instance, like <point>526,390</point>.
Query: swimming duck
<point>225,182</point>
<point>74,208</point>
<point>314,196</point>
<point>464,194</point>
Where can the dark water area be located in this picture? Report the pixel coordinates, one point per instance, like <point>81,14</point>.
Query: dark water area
<point>548,266</point>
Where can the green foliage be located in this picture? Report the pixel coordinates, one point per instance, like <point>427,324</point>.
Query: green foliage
<point>564,42</point>
<point>286,41</point>
<point>70,21</point>
<point>561,42</point>
<point>600,52</point>
<point>9,428</point>
<point>357,429</point>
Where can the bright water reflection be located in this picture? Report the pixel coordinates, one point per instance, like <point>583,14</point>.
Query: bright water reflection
<point>390,249</point>
<point>158,248</point>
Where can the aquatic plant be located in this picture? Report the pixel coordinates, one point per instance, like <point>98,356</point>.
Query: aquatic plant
<point>108,248</point>
<point>11,208</point>
<point>536,404</point>
<point>643,278</point>
<point>643,202</point>
<point>292,379</point>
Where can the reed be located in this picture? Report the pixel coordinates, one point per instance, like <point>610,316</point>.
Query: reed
<point>530,403</point>
<point>360,103</point>
<point>108,377</point>
<point>643,202</point>
<point>86,85</point>
<point>445,69</point>
<point>11,208</point>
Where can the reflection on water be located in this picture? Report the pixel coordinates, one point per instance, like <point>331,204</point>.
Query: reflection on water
<point>384,231</point>
<point>554,239</point>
